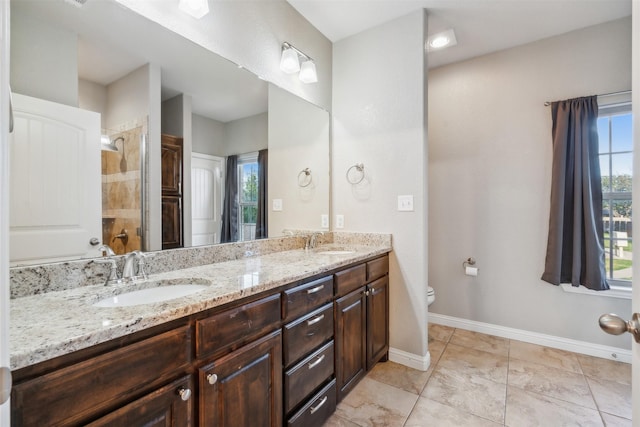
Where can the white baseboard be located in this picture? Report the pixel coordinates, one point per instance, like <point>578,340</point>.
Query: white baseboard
<point>582,347</point>
<point>411,360</point>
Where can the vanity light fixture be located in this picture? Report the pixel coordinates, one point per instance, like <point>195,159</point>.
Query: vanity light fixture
<point>441,40</point>
<point>290,63</point>
<point>195,8</point>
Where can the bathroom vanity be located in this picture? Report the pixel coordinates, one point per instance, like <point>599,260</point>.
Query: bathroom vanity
<point>277,340</point>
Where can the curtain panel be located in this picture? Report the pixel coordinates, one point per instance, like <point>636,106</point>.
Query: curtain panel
<point>575,245</point>
<point>261,219</point>
<point>229,232</point>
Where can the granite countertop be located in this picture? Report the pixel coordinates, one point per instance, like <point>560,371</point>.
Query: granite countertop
<point>52,324</point>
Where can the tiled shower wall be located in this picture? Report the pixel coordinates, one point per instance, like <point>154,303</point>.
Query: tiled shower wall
<point>121,192</point>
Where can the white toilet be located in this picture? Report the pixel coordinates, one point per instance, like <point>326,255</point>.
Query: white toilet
<point>431,295</point>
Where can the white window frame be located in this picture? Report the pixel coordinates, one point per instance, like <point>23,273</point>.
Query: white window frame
<point>619,288</point>
<point>244,159</point>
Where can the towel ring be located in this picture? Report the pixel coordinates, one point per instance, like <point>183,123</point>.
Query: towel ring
<point>304,178</point>
<point>359,167</point>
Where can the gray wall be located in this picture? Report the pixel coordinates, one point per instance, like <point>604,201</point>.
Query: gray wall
<point>42,54</point>
<point>490,177</point>
<point>208,136</point>
<point>246,135</point>
<point>379,119</point>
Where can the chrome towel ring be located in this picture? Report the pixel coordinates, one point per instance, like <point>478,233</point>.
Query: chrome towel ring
<point>355,174</point>
<point>305,178</point>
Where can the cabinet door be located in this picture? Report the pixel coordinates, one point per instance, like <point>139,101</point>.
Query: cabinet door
<point>171,165</point>
<point>244,388</point>
<point>171,222</point>
<point>350,340</point>
<point>170,406</point>
<point>377,321</point>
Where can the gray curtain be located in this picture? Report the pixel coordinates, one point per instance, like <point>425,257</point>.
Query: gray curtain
<point>575,247</point>
<point>261,220</point>
<point>229,232</point>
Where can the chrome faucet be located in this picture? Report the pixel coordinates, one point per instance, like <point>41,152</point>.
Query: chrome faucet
<point>107,258</point>
<point>312,240</point>
<point>128,272</point>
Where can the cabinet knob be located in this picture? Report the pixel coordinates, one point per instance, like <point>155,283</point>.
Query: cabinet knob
<point>184,393</point>
<point>212,379</point>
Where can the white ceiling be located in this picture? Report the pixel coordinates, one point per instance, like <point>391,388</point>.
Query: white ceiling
<point>481,26</point>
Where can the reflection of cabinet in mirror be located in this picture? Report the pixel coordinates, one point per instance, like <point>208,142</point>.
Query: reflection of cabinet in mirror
<point>171,192</point>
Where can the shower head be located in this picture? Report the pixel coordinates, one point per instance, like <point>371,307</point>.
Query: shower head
<point>108,145</point>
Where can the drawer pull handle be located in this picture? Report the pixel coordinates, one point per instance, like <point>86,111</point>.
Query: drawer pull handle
<point>317,362</point>
<point>212,379</point>
<point>315,320</point>
<point>322,402</point>
<point>316,289</point>
<point>184,393</point>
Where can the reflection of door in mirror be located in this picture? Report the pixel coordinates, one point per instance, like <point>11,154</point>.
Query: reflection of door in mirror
<point>54,181</point>
<point>121,192</point>
<point>206,198</point>
<point>171,192</point>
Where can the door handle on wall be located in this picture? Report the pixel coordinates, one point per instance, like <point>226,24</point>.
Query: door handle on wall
<point>5,384</point>
<point>615,325</point>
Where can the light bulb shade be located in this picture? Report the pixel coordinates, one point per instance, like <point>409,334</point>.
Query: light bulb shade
<point>289,63</point>
<point>308,72</point>
<point>195,8</point>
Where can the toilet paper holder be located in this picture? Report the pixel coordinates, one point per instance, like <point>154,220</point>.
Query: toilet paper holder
<point>468,263</point>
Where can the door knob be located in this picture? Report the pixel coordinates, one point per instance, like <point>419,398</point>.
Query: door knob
<point>615,325</point>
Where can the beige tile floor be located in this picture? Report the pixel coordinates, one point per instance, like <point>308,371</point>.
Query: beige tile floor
<point>482,380</point>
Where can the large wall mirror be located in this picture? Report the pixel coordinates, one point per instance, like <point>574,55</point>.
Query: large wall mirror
<point>112,109</point>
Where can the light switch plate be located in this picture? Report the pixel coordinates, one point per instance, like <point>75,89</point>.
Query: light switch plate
<point>277,205</point>
<point>405,203</point>
<point>339,221</point>
<point>324,221</point>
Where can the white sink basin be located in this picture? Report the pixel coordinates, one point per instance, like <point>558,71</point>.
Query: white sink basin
<point>336,252</point>
<point>149,295</point>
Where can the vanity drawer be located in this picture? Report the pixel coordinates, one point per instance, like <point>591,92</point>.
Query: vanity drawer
<point>71,395</point>
<point>307,375</point>
<point>307,333</point>
<point>304,298</point>
<point>377,268</point>
<point>317,410</point>
<point>235,326</point>
<point>350,279</point>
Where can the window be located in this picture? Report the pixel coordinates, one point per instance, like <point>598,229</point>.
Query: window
<point>616,167</point>
<point>247,196</point>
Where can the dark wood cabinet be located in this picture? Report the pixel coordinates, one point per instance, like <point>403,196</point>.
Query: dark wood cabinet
<point>81,391</point>
<point>362,321</point>
<point>284,357</point>
<point>172,170</point>
<point>377,321</point>
<point>169,406</point>
<point>171,222</point>
<point>244,388</point>
<point>351,333</point>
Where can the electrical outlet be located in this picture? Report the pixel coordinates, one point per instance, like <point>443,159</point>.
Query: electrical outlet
<point>339,221</point>
<point>277,204</point>
<point>405,203</point>
<point>324,221</point>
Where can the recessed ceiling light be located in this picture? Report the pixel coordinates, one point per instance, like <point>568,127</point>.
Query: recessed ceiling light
<point>441,40</point>
<point>195,8</point>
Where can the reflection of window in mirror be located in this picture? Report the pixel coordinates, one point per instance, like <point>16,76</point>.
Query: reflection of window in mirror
<point>247,195</point>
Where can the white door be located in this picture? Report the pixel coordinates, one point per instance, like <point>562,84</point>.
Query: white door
<point>5,385</point>
<point>55,186</point>
<point>206,198</point>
